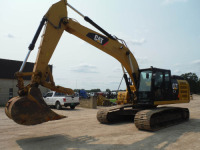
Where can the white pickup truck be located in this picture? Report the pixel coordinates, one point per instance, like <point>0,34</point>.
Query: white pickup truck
<point>59,99</point>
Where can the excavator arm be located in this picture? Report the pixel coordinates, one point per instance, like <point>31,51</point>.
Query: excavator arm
<point>29,107</point>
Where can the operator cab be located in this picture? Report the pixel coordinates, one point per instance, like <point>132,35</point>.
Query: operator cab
<point>154,85</point>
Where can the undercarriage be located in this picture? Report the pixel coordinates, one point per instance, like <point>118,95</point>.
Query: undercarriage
<point>145,119</point>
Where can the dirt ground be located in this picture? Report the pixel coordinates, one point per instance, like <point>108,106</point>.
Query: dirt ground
<point>82,131</point>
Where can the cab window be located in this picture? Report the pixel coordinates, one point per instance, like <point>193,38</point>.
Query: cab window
<point>167,80</point>
<point>158,79</point>
<point>145,81</point>
<point>49,95</point>
<point>59,94</point>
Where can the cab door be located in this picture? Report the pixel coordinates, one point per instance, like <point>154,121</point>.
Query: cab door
<point>158,85</point>
<point>162,85</point>
<point>48,98</point>
<point>167,92</point>
<point>144,93</point>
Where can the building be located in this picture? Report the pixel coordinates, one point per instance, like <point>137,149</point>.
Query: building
<point>8,81</point>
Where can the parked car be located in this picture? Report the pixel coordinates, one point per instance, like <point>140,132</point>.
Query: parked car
<point>59,99</point>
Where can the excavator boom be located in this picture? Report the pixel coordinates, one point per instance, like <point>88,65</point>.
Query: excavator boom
<point>29,107</point>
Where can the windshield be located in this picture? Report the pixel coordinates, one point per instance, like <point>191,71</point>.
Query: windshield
<point>145,80</point>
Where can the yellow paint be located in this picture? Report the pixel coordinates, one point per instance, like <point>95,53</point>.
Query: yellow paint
<point>170,102</point>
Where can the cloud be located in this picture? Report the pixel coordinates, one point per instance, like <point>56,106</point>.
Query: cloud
<point>177,72</point>
<point>177,65</point>
<point>114,82</point>
<point>10,36</point>
<point>166,2</point>
<point>195,66</point>
<point>137,42</point>
<point>84,68</point>
<point>138,38</point>
<point>196,62</point>
<point>142,60</point>
<point>181,68</point>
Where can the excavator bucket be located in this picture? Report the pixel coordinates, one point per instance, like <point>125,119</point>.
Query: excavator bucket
<point>31,109</point>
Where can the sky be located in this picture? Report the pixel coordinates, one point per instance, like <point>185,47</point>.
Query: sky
<point>160,33</point>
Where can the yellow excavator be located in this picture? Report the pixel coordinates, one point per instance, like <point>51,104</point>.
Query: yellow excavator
<point>147,88</point>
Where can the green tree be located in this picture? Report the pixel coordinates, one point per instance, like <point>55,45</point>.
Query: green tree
<point>77,90</point>
<point>95,90</point>
<point>193,81</point>
<point>198,86</point>
<point>108,90</point>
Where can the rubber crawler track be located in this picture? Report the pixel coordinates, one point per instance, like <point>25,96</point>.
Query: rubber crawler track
<point>156,119</point>
<point>114,113</point>
<point>102,116</point>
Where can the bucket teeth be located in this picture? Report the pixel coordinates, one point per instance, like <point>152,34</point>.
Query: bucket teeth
<point>31,109</point>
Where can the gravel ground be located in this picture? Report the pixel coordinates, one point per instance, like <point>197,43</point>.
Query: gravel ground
<point>81,130</point>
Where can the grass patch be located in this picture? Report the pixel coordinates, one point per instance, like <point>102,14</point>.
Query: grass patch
<point>113,100</point>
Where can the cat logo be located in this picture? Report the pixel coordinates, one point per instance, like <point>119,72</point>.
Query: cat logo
<point>98,38</point>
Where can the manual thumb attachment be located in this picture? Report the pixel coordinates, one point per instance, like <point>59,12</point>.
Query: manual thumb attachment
<point>30,109</point>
